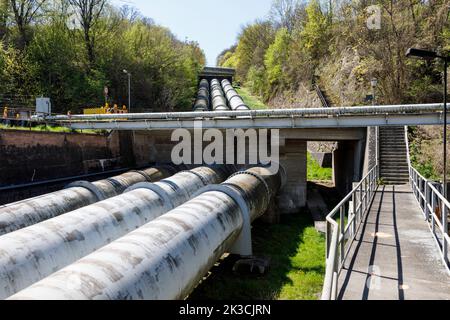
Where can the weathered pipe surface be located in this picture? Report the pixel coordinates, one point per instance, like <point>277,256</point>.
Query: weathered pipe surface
<point>234,99</point>
<point>26,213</point>
<point>31,254</point>
<point>219,102</point>
<point>202,102</point>
<point>167,258</point>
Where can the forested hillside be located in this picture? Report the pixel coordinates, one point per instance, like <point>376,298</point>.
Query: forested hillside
<point>69,50</point>
<point>340,46</point>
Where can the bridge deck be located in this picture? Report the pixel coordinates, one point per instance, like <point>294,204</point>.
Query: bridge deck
<point>397,242</point>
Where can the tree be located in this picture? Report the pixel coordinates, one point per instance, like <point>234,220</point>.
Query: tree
<point>277,56</point>
<point>89,13</point>
<point>283,12</point>
<point>4,8</point>
<point>24,12</point>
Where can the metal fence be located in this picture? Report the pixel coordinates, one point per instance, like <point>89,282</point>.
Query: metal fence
<point>434,206</point>
<point>343,224</point>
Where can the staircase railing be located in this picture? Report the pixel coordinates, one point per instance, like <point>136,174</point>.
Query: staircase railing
<point>343,224</point>
<point>434,206</point>
<point>322,98</point>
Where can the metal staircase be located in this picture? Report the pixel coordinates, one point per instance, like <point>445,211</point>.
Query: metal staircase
<point>394,169</point>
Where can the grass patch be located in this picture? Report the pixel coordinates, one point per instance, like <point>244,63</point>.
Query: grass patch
<point>297,254</point>
<point>44,128</point>
<point>316,172</point>
<point>252,101</point>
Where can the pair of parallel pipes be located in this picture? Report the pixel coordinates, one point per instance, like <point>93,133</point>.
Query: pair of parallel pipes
<point>219,102</point>
<point>168,257</point>
<point>31,254</point>
<point>234,99</point>
<point>25,213</point>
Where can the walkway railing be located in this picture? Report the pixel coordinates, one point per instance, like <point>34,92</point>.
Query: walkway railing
<point>435,209</point>
<point>343,224</point>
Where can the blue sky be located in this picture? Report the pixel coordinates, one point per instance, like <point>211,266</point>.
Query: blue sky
<point>213,24</point>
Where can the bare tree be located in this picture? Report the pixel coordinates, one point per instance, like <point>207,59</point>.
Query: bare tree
<point>89,12</point>
<point>24,12</point>
<point>283,12</point>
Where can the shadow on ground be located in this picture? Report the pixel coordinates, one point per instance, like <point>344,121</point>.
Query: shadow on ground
<point>297,255</point>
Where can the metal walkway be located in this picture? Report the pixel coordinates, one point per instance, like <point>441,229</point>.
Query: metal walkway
<point>394,255</point>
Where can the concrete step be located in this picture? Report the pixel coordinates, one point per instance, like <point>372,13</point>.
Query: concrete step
<point>393,148</point>
<point>393,175</point>
<point>394,152</point>
<point>394,166</point>
<point>388,179</point>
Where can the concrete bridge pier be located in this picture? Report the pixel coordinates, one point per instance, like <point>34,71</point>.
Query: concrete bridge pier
<point>293,158</point>
<point>348,163</point>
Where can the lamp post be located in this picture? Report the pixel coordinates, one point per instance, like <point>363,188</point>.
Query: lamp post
<point>431,55</point>
<point>374,84</point>
<point>129,89</point>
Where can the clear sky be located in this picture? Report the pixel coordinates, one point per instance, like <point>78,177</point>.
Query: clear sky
<point>214,24</point>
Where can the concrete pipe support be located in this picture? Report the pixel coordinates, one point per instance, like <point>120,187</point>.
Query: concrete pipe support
<point>29,255</point>
<point>25,213</point>
<point>165,259</point>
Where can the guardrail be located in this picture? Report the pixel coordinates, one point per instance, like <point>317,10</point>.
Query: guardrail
<point>322,98</point>
<point>435,209</point>
<point>342,230</point>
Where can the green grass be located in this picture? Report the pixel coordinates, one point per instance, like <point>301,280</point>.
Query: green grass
<point>252,101</point>
<point>316,172</point>
<point>44,128</point>
<point>297,254</point>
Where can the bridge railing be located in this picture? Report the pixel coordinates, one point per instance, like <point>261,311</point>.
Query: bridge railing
<point>435,209</point>
<point>343,224</point>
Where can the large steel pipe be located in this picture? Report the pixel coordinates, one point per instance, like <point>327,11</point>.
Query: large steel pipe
<point>29,255</point>
<point>166,258</point>
<point>305,112</point>
<point>219,103</point>
<point>202,102</point>
<point>234,99</point>
<point>25,213</point>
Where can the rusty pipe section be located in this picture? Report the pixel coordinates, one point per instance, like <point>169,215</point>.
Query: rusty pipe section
<point>29,255</point>
<point>28,212</point>
<point>167,258</point>
<point>202,102</point>
<point>234,99</point>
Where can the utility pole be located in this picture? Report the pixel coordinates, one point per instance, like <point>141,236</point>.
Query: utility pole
<point>129,89</point>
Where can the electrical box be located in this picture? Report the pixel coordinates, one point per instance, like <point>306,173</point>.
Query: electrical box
<point>43,106</point>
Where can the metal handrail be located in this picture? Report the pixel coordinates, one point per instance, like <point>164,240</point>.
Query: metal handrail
<point>322,98</point>
<point>433,204</point>
<point>340,235</point>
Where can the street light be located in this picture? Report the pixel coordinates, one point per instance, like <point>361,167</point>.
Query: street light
<point>374,84</point>
<point>431,55</point>
<point>129,89</point>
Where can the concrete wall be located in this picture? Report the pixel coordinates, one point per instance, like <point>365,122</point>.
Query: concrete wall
<point>27,156</point>
<point>293,157</point>
<point>348,164</point>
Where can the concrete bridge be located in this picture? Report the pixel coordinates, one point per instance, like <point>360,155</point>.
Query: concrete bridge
<point>153,234</point>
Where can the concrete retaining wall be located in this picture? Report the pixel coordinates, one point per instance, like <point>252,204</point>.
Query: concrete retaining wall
<point>27,156</point>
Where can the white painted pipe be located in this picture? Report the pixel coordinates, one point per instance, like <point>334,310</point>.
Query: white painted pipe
<point>389,109</point>
<point>29,255</point>
<point>28,212</point>
<point>234,99</point>
<point>166,258</point>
